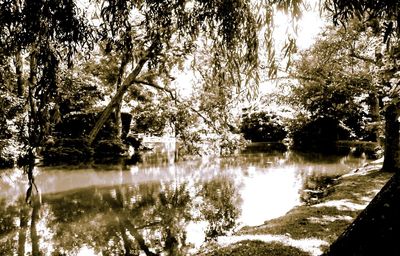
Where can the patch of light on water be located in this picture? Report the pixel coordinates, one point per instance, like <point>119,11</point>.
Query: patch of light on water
<point>342,205</point>
<point>195,234</point>
<point>12,181</point>
<point>134,169</point>
<point>45,232</point>
<point>310,245</point>
<point>268,194</point>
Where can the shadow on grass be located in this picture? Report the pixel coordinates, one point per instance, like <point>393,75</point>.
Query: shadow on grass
<point>258,248</point>
<point>322,221</point>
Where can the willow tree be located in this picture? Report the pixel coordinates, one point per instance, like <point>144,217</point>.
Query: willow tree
<point>382,16</point>
<point>48,33</point>
<point>153,37</point>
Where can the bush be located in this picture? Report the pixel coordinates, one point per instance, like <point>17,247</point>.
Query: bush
<point>317,135</point>
<point>66,151</point>
<point>263,127</point>
<point>79,124</point>
<point>109,148</point>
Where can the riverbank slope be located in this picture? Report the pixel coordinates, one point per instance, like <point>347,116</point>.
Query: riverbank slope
<point>308,229</point>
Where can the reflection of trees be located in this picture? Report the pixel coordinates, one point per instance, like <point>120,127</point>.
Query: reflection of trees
<point>147,218</point>
<point>34,234</point>
<point>220,206</point>
<point>23,220</point>
<point>315,186</point>
<point>7,226</point>
<point>123,220</point>
<point>14,220</point>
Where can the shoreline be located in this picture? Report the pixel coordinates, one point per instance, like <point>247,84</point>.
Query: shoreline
<point>308,229</point>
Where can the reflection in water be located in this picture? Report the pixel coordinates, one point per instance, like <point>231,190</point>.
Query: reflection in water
<point>152,209</point>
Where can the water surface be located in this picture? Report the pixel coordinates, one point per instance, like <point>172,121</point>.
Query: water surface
<point>154,207</point>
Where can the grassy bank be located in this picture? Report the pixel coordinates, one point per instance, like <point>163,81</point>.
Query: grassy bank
<point>309,228</point>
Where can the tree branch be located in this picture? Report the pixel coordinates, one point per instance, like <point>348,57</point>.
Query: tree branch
<point>358,56</point>
<point>155,86</point>
<point>119,94</point>
<point>171,93</point>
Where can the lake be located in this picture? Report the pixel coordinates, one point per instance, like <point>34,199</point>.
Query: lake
<point>156,207</point>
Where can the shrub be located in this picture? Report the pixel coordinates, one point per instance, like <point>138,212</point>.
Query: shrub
<point>109,148</point>
<point>263,127</point>
<point>67,151</point>
<point>317,135</point>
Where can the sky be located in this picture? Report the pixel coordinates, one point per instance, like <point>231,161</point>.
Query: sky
<point>309,25</point>
<point>308,28</point>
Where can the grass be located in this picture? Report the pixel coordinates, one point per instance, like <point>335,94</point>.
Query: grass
<point>247,248</point>
<point>322,221</point>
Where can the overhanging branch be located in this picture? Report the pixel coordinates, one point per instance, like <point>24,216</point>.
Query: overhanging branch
<point>172,94</point>
<point>155,86</point>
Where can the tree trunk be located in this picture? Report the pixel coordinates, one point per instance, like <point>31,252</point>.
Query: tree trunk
<point>391,161</point>
<point>32,81</point>
<point>18,71</point>
<point>118,118</point>
<point>116,99</point>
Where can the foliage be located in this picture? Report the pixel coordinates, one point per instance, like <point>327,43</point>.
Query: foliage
<point>150,117</point>
<point>11,121</point>
<point>162,33</point>
<point>109,148</point>
<point>386,11</point>
<point>186,129</point>
<point>333,83</point>
<point>68,142</point>
<point>382,18</point>
<point>263,127</point>
<point>67,150</point>
<point>78,93</point>
<point>76,125</point>
<point>320,134</point>
<point>141,42</point>
<point>47,33</point>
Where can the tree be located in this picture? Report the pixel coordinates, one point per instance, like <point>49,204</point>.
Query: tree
<point>160,34</point>
<point>366,235</point>
<point>147,38</point>
<point>48,32</point>
<point>381,16</point>
<point>334,82</point>
<point>263,126</point>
